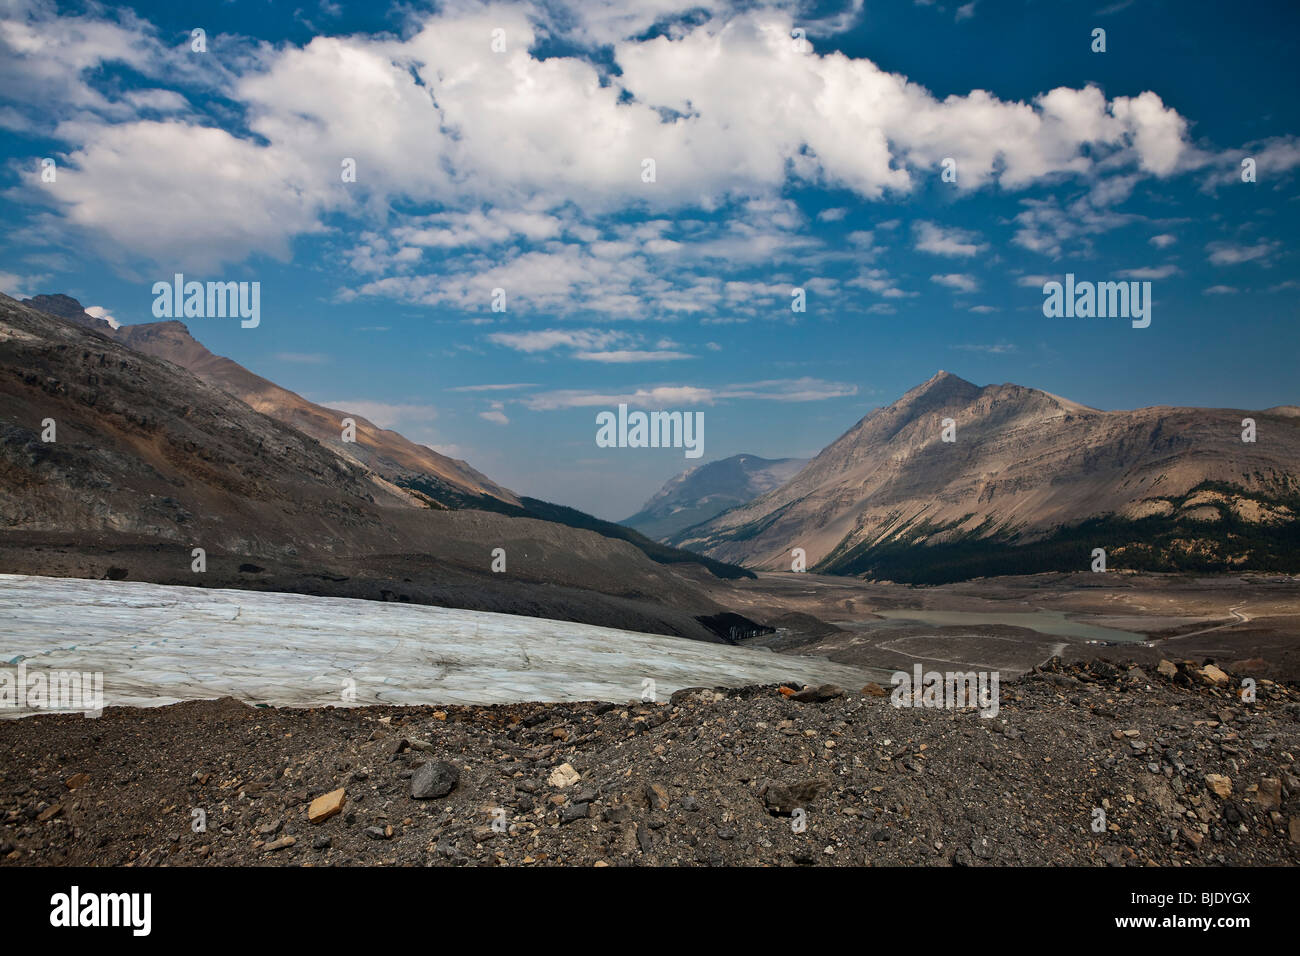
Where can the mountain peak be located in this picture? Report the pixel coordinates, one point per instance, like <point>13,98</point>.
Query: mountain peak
<point>941,376</point>
<point>69,309</point>
<point>940,388</point>
<point>170,327</point>
<point>704,491</point>
<point>55,304</point>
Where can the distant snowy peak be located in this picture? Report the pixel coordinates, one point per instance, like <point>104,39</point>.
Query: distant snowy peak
<point>705,491</point>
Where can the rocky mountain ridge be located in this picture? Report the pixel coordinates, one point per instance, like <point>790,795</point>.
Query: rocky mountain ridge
<point>1030,482</point>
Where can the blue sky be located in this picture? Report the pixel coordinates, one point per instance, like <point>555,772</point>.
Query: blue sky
<point>779,163</point>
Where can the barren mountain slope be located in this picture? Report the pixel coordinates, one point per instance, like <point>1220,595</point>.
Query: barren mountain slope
<point>1024,465</point>
<point>385,452</point>
<point>142,447</point>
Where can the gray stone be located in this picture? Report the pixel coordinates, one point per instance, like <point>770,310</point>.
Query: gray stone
<point>574,811</point>
<point>435,779</point>
<point>818,695</point>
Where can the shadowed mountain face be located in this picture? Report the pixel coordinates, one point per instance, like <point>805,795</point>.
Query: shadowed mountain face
<point>708,490</point>
<point>149,461</point>
<point>1032,482</point>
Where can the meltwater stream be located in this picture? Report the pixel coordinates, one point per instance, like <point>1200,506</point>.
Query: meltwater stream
<point>1044,622</point>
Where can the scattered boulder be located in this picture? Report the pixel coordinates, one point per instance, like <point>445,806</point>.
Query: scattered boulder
<point>1269,793</point>
<point>435,779</point>
<point>1116,855</point>
<point>686,693</point>
<point>1213,676</point>
<point>656,796</point>
<point>574,811</point>
<point>412,743</point>
<point>563,776</point>
<point>819,695</point>
<point>324,807</point>
<point>784,799</point>
<point>1221,785</point>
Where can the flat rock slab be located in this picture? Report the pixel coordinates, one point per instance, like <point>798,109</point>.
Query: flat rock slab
<point>160,644</point>
<point>324,807</point>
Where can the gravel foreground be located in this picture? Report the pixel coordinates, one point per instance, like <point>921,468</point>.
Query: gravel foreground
<point>1184,771</point>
